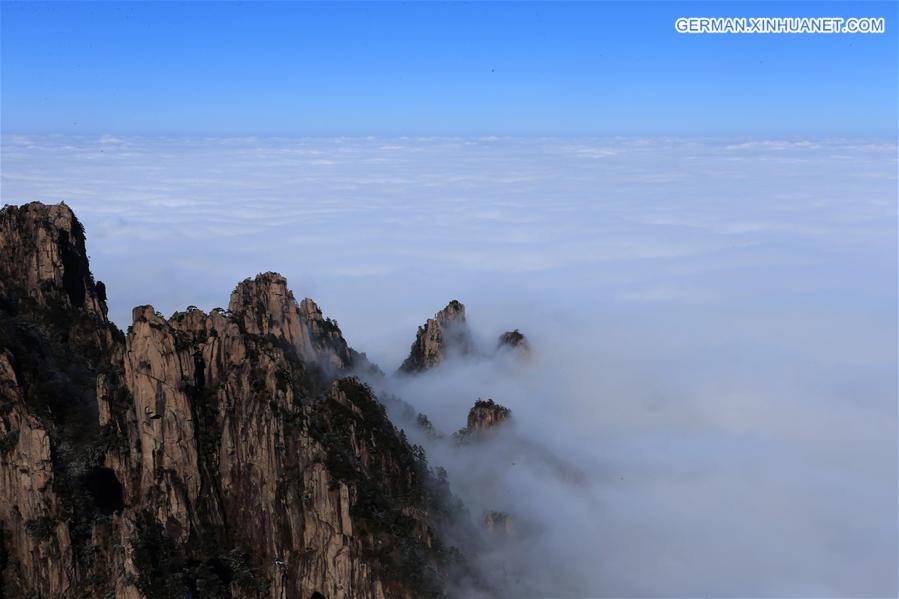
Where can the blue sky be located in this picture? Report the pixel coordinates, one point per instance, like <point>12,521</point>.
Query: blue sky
<point>438,69</point>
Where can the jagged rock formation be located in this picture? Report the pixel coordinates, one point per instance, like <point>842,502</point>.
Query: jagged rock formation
<point>204,455</point>
<point>446,333</point>
<point>265,306</point>
<point>514,340</point>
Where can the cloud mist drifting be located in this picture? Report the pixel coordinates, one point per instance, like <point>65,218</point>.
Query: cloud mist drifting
<point>714,325</point>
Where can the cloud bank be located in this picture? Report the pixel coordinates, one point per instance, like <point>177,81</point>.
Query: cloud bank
<point>714,324</point>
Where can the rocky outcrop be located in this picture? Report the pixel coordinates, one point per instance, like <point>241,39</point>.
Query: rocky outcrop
<point>265,306</point>
<point>42,249</point>
<point>486,415</point>
<point>448,334</point>
<point>445,334</point>
<point>515,341</point>
<point>484,418</point>
<point>213,454</point>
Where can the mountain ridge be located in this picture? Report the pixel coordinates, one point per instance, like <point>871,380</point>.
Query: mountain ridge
<point>222,454</point>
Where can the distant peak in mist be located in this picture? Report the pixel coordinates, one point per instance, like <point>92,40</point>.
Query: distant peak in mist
<point>484,418</point>
<point>514,340</point>
<point>447,332</point>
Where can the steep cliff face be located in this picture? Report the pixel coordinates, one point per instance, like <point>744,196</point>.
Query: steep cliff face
<point>219,454</point>
<point>446,333</point>
<point>42,254</point>
<point>265,306</point>
<point>55,342</point>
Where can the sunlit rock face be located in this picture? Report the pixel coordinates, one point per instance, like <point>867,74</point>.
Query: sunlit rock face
<point>485,415</point>
<point>445,334</point>
<point>265,306</point>
<point>221,454</point>
<point>484,419</point>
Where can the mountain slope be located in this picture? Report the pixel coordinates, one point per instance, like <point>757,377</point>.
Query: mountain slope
<point>220,454</point>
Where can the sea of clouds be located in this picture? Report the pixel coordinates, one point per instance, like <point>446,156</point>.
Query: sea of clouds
<point>713,321</point>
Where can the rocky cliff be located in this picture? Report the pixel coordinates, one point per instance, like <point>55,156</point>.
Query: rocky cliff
<point>227,454</point>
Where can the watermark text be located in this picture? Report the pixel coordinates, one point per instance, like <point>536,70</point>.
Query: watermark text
<point>780,25</point>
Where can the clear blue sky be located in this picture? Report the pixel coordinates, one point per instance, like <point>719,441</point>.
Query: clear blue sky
<point>438,69</point>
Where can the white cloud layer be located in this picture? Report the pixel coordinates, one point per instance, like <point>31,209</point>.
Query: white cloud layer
<point>714,321</point>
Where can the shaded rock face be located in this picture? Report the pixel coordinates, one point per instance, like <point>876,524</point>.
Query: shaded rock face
<point>445,333</point>
<point>225,454</point>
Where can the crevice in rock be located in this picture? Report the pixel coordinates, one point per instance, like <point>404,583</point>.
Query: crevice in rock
<point>73,271</point>
<point>104,487</point>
